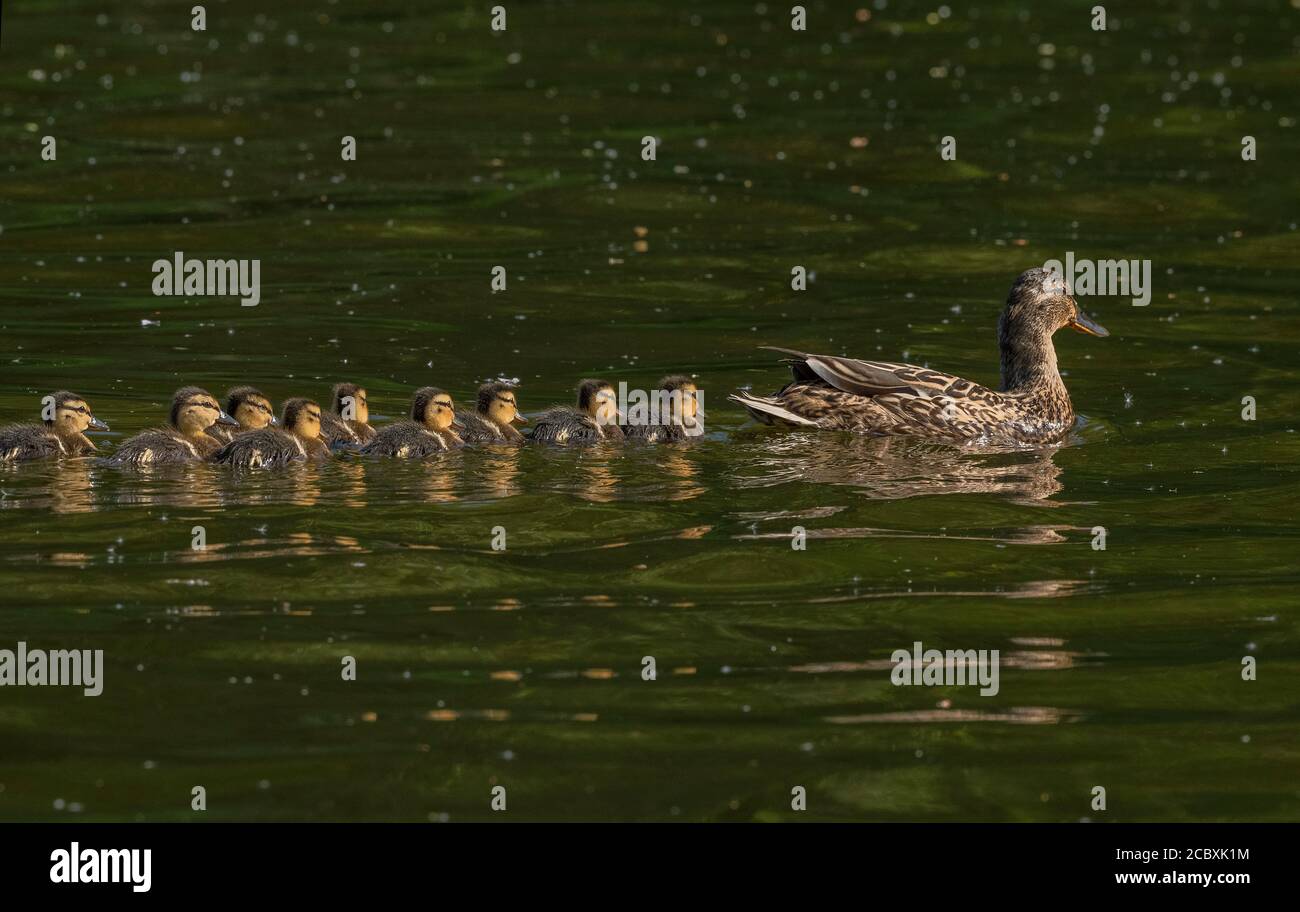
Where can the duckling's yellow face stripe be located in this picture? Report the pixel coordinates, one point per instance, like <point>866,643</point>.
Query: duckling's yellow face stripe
<point>604,406</point>
<point>440,413</point>
<point>361,406</point>
<point>74,414</point>
<point>198,414</point>
<point>690,405</point>
<point>254,413</point>
<point>505,409</point>
<point>308,422</point>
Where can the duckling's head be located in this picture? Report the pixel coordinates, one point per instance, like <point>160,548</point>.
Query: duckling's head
<point>598,399</point>
<point>496,403</point>
<point>72,415</point>
<point>686,402</point>
<point>249,407</point>
<point>1039,304</point>
<point>194,411</point>
<point>302,417</point>
<point>433,408</point>
<point>350,402</point>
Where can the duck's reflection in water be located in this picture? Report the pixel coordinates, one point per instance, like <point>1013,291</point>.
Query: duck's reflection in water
<point>679,472</point>
<point>297,484</point>
<point>61,487</point>
<point>195,485</point>
<point>294,544</point>
<point>596,480</point>
<point>438,478</point>
<point>891,468</point>
<point>498,471</point>
<point>351,481</point>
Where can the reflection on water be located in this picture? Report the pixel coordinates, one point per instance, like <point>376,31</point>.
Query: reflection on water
<point>879,468</point>
<point>1020,715</point>
<point>225,662</point>
<point>891,468</point>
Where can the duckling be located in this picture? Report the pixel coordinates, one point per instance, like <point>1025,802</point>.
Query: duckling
<point>349,425</point>
<point>675,415</point>
<point>885,399</point>
<point>429,431</point>
<point>270,447</point>
<point>492,421</point>
<point>62,434</point>
<point>247,406</point>
<point>596,417</point>
<point>194,410</point>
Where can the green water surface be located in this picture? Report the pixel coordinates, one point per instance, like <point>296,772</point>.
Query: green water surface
<point>1120,668</point>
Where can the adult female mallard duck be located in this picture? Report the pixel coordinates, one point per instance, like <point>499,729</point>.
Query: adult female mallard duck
<point>269,447</point>
<point>186,440</point>
<point>62,434</point>
<point>349,424</point>
<point>882,398</point>
<point>674,416</point>
<point>248,407</point>
<point>596,418</point>
<point>493,419</point>
<point>428,432</point>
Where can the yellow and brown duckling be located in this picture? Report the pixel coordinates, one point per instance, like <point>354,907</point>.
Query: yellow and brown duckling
<point>63,432</point>
<point>193,411</point>
<point>596,418</point>
<point>493,419</point>
<point>428,431</point>
<point>299,439</point>
<point>674,416</point>
<point>249,408</point>
<point>349,424</point>
<point>882,398</point>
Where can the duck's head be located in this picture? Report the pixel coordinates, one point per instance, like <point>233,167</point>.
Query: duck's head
<point>684,394</point>
<point>598,399</point>
<point>302,417</point>
<point>433,408</point>
<point>72,415</point>
<point>496,403</point>
<point>194,410</point>
<point>1039,304</point>
<point>249,407</point>
<point>350,402</point>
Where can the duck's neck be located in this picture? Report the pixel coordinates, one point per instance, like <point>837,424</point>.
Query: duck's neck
<point>72,438</point>
<point>1029,365</point>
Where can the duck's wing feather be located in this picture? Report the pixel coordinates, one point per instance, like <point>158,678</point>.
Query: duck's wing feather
<point>564,424</point>
<point>27,441</point>
<point>873,378</point>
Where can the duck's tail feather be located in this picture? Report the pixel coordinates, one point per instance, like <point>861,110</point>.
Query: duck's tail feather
<point>769,411</point>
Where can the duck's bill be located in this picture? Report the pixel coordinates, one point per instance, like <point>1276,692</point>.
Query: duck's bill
<point>520,418</point>
<point>274,422</point>
<point>227,420</point>
<point>97,425</point>
<point>1086,324</point>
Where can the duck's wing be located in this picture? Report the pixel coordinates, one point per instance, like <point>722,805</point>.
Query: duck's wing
<point>159,446</point>
<point>27,441</point>
<point>336,432</point>
<point>404,440</point>
<point>475,429</point>
<point>564,424</point>
<point>874,378</point>
<point>261,449</point>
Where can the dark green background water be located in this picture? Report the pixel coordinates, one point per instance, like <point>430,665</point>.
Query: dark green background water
<point>1121,668</point>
